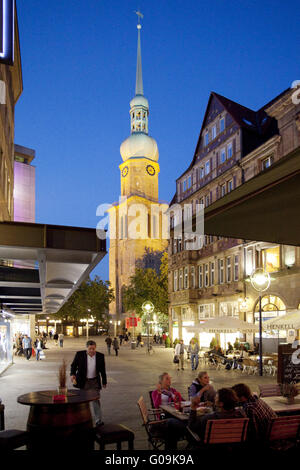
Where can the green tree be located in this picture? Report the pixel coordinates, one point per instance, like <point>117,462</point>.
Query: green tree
<point>94,295</point>
<point>147,284</point>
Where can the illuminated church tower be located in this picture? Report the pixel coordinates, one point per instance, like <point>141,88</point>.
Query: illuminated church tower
<point>136,221</point>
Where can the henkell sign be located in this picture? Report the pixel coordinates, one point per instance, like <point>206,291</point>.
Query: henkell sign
<point>7,8</point>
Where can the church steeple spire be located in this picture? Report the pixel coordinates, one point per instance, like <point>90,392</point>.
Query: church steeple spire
<point>139,74</point>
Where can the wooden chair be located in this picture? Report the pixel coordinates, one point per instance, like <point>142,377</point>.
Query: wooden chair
<point>224,432</point>
<point>269,390</point>
<point>155,428</point>
<point>2,422</point>
<point>13,439</point>
<point>114,434</point>
<point>284,432</point>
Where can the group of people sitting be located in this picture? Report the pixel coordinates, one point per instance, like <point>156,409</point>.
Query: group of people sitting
<point>226,403</point>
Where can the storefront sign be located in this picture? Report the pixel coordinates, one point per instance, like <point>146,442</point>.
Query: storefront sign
<point>7,31</point>
<point>289,363</point>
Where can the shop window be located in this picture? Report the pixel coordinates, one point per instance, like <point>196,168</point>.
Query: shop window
<point>271,259</point>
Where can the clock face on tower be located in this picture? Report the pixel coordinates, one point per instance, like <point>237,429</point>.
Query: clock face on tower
<point>150,170</point>
<point>125,171</point>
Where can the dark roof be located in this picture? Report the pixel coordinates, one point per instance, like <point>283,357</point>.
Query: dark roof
<point>253,122</point>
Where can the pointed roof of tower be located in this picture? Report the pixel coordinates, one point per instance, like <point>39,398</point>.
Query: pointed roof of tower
<point>139,74</point>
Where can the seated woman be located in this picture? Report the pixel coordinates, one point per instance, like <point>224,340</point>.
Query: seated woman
<point>226,402</point>
<point>201,388</point>
<point>164,393</point>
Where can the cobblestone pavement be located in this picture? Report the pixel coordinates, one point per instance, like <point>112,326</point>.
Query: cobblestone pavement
<point>132,374</point>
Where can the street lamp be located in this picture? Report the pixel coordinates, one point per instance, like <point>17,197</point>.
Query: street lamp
<point>148,308</point>
<point>260,281</point>
<point>86,321</point>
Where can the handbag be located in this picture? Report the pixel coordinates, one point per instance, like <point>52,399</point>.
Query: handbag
<point>176,359</point>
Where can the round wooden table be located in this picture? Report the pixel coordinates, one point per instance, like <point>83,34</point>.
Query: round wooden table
<point>60,423</point>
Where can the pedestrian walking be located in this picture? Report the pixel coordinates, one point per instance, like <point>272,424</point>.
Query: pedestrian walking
<point>50,334</point>
<point>27,347</point>
<point>179,351</point>
<point>138,340</point>
<point>194,354</point>
<point>88,373</point>
<point>116,345</point>
<point>61,340</point>
<point>38,344</point>
<point>108,341</point>
<point>121,339</point>
<point>55,337</point>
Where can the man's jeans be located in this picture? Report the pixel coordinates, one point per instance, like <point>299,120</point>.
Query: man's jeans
<point>27,353</point>
<point>92,384</point>
<point>38,352</point>
<point>108,349</point>
<point>194,359</point>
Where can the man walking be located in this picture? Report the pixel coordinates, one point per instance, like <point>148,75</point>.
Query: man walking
<point>108,341</point>
<point>179,351</point>
<point>194,353</point>
<point>87,370</point>
<point>116,345</point>
<point>27,347</point>
<point>38,345</point>
<point>61,340</point>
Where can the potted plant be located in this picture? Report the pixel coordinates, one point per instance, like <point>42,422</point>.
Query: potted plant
<point>62,378</point>
<point>289,391</point>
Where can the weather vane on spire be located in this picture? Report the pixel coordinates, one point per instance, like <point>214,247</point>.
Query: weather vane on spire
<point>140,16</point>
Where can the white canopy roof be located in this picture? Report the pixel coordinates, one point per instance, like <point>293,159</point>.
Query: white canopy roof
<point>290,321</point>
<point>225,325</point>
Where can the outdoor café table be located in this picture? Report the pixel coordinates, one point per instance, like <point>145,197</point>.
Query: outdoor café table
<point>281,406</point>
<point>183,416</point>
<point>54,423</point>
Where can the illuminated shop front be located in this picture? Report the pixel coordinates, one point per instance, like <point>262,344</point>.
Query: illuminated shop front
<point>272,307</point>
<point>5,343</point>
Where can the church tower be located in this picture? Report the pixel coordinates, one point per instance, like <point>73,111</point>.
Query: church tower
<point>136,220</point>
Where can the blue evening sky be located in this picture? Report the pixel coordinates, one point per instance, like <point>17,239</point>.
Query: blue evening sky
<point>79,58</point>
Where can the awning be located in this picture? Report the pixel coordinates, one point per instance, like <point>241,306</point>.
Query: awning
<point>290,321</point>
<point>265,208</point>
<point>224,325</point>
<point>42,265</point>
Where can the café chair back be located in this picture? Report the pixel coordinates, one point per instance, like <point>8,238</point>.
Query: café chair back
<point>155,428</point>
<point>284,431</point>
<point>13,439</point>
<point>114,434</point>
<point>2,421</point>
<point>269,390</point>
<point>226,431</point>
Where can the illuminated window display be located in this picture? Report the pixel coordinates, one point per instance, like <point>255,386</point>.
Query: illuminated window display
<point>5,345</point>
<point>271,259</point>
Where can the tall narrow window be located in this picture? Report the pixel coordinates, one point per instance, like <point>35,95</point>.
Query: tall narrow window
<point>186,278</point>
<point>222,124</point>
<point>221,271</point>
<point>207,167</point>
<point>175,281</point>
<point>223,155</point>
<point>229,186</point>
<point>228,269</point>
<point>206,275</point>
<point>229,150</point>
<point>200,276</point>
<point>212,273</point>
<point>236,267</point>
<point>180,279</point>
<point>223,190</point>
<point>213,132</point>
<point>193,284</point>
<point>206,139</point>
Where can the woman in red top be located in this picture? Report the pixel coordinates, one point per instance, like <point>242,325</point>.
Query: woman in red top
<point>164,393</point>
